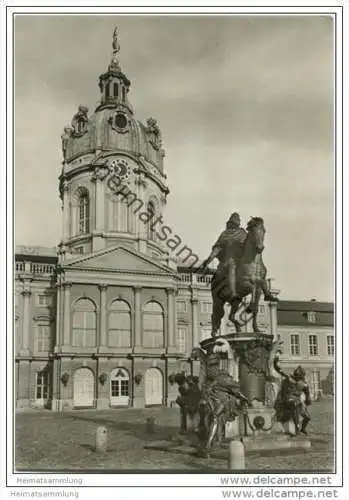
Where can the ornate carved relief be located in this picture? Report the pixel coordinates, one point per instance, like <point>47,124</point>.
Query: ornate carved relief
<point>100,173</point>
<point>154,134</point>
<point>65,138</point>
<point>80,121</point>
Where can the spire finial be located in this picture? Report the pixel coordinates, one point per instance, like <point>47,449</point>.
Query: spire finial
<point>116,46</point>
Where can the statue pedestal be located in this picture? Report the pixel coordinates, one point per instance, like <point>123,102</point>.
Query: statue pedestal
<point>275,442</point>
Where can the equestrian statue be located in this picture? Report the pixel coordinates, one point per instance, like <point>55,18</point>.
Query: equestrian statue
<point>240,272</point>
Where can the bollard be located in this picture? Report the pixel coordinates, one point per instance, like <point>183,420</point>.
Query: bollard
<point>236,459</point>
<point>101,439</point>
<point>150,427</point>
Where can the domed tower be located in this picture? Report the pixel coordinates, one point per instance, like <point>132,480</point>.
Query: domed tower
<point>112,184</point>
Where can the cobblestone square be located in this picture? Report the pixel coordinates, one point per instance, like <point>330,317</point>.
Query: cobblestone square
<point>47,441</point>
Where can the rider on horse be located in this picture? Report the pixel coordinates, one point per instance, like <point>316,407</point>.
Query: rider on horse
<point>228,249</point>
<point>290,398</point>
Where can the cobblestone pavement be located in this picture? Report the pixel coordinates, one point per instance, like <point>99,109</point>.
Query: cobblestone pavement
<point>52,441</point>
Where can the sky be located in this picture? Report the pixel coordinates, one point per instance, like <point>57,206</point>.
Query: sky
<point>245,107</point>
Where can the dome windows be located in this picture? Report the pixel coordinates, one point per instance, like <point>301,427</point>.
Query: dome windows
<point>120,122</point>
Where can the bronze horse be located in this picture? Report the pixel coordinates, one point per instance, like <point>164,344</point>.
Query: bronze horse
<point>250,279</point>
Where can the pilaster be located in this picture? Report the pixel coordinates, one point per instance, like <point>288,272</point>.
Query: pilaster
<point>171,321</point>
<point>137,344</point>
<point>24,349</point>
<point>195,322</point>
<point>65,210</point>
<point>58,318</point>
<point>103,341</point>
<point>67,317</point>
<point>98,242</point>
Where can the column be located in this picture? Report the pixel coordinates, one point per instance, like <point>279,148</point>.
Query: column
<point>100,222</point>
<point>67,313</point>
<point>103,316</point>
<point>171,320</point>
<point>26,321</point>
<point>98,240</point>
<point>137,341</point>
<point>65,214</point>
<point>58,341</point>
<point>195,322</point>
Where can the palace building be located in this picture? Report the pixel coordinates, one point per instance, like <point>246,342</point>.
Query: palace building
<point>105,318</point>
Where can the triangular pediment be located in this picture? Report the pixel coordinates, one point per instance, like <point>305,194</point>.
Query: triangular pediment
<point>119,259</point>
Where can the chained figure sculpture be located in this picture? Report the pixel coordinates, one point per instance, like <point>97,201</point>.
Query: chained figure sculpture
<point>220,393</point>
<point>293,399</point>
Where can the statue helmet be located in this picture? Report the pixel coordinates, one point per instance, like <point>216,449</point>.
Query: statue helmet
<point>233,217</point>
<point>299,372</point>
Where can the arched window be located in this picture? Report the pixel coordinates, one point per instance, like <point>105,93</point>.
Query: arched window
<point>116,89</point>
<point>107,91</point>
<point>152,212</point>
<point>119,327</point>
<point>153,325</point>
<point>119,215</point>
<point>84,324</point>
<point>84,212</point>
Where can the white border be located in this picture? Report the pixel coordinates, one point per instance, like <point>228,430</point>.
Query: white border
<point>166,480</point>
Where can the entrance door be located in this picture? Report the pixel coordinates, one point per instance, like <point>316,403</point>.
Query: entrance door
<point>83,388</point>
<point>119,387</point>
<point>153,384</point>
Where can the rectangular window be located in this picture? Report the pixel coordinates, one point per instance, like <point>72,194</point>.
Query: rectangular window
<point>43,338</point>
<point>311,317</point>
<point>119,333</point>
<point>181,306</point>
<point>206,307</point>
<point>124,387</point>
<point>315,384</point>
<point>295,345</point>
<point>205,332</point>
<point>42,385</point>
<point>330,345</point>
<point>182,339</point>
<point>115,388</point>
<point>84,329</point>
<point>313,345</point>
<point>44,300</point>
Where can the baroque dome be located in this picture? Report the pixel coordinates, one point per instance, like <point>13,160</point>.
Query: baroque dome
<point>112,127</point>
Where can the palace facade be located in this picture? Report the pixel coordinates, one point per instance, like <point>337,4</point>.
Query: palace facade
<point>105,318</point>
